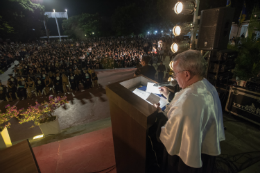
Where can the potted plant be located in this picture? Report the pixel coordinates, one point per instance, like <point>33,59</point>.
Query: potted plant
<point>11,111</point>
<point>247,62</point>
<point>42,115</point>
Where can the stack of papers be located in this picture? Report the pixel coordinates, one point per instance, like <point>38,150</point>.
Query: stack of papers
<point>151,98</point>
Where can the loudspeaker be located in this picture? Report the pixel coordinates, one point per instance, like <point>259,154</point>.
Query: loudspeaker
<point>215,25</point>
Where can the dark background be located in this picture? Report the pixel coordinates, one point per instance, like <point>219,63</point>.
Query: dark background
<point>106,8</point>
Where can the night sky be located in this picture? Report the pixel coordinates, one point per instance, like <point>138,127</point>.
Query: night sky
<point>75,7</point>
<point>107,7</point>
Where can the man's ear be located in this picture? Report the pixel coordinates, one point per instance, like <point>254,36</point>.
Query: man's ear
<point>187,75</point>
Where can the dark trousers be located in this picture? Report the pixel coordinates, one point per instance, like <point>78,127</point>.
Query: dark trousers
<point>174,164</point>
<point>160,77</point>
<point>58,88</point>
<point>21,92</point>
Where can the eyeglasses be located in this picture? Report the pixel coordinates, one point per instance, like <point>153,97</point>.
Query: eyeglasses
<point>175,74</point>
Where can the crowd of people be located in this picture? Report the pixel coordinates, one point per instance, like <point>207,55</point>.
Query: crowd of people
<point>63,66</point>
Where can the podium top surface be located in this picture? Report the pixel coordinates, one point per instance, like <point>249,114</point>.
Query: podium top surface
<point>120,93</point>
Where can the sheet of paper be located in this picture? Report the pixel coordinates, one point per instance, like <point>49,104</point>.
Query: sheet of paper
<point>154,99</point>
<point>152,89</point>
<point>163,102</point>
<point>144,95</point>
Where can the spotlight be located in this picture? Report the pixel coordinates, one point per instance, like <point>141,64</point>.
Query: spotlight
<point>181,29</point>
<point>178,47</point>
<point>37,137</point>
<point>184,7</point>
<point>171,65</point>
<point>54,10</point>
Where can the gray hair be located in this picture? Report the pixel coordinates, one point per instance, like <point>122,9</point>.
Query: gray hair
<point>192,61</point>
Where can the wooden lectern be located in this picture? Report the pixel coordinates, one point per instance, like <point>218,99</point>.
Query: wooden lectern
<point>131,117</point>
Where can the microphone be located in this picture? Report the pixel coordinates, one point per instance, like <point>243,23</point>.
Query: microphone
<point>169,83</point>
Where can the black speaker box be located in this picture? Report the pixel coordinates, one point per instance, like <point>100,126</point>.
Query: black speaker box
<point>215,25</point>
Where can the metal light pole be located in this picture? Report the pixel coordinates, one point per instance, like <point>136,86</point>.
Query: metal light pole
<point>195,24</point>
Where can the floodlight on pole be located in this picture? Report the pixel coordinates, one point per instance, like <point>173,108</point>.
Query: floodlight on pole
<point>178,47</point>
<point>182,29</point>
<point>184,7</point>
<point>54,10</point>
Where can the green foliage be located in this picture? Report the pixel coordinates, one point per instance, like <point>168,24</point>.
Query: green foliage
<point>82,26</point>
<point>5,27</point>
<point>254,24</point>
<point>42,112</point>
<point>19,18</point>
<point>248,60</point>
<point>11,111</point>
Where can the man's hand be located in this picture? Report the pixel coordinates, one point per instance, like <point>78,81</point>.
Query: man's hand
<point>164,91</point>
<point>157,106</point>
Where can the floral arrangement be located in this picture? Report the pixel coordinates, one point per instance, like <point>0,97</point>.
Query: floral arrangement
<point>11,111</point>
<point>43,112</point>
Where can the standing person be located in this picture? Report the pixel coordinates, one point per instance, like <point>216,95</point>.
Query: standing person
<point>65,83</point>
<point>72,81</point>
<point>30,85</point>
<point>21,92</point>
<point>161,69</point>
<point>48,85</point>
<point>87,80</point>
<point>78,78</point>
<point>192,124</point>
<point>39,86</point>
<point>58,83</point>
<point>3,92</point>
<point>94,79</point>
<point>146,70</point>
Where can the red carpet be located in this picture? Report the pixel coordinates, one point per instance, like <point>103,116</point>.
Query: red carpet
<point>91,152</point>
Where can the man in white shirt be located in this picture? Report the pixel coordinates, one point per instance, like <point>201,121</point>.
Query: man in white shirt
<point>193,126</point>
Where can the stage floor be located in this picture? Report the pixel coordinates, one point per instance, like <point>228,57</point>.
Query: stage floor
<point>91,152</point>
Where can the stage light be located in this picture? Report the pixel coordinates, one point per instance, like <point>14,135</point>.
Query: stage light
<point>171,65</point>
<point>176,30</point>
<point>178,47</point>
<point>174,47</point>
<point>38,136</point>
<point>54,10</point>
<point>182,29</point>
<point>184,7</point>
